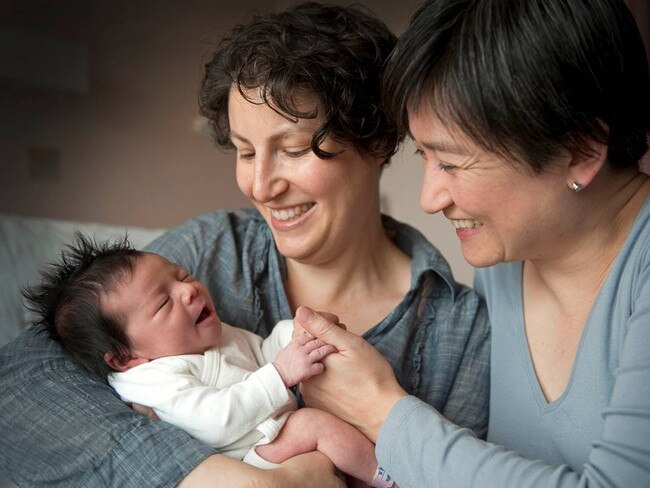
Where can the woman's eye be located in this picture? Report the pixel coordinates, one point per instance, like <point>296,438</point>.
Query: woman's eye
<point>245,153</point>
<point>446,167</point>
<point>297,153</point>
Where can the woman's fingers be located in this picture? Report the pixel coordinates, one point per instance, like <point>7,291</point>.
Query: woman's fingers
<point>320,326</point>
<point>298,330</point>
<point>331,317</point>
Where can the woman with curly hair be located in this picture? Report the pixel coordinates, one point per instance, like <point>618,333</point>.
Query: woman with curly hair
<point>296,95</point>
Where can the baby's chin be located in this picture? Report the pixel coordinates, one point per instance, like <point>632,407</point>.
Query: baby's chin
<point>215,340</point>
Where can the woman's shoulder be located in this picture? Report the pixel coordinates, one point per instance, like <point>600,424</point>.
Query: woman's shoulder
<point>638,241</point>
<point>632,267</point>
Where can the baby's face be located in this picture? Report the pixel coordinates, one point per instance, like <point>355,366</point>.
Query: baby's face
<point>166,312</point>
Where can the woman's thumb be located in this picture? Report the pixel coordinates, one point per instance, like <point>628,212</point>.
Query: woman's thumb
<point>320,327</point>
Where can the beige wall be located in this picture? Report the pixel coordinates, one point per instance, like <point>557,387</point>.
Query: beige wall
<point>129,151</point>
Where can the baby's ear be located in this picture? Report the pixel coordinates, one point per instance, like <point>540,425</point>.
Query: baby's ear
<point>123,362</point>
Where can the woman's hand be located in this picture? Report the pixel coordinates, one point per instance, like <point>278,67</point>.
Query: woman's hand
<point>311,470</point>
<point>358,384</point>
<point>297,329</point>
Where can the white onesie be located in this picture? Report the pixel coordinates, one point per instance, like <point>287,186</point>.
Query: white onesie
<point>230,397</point>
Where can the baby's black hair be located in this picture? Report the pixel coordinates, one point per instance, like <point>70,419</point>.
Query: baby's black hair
<point>67,302</point>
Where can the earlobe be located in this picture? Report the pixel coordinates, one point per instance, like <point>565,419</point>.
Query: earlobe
<point>584,166</point>
<point>123,362</point>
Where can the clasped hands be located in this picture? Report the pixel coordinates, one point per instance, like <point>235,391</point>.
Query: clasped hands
<point>350,378</point>
<point>357,385</point>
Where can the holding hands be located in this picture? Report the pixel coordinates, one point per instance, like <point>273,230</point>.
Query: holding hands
<point>301,358</point>
<point>358,384</point>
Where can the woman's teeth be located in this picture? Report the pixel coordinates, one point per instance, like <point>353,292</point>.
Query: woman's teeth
<point>467,224</point>
<point>290,213</point>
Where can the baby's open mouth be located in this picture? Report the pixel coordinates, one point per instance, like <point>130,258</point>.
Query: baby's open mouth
<point>205,313</point>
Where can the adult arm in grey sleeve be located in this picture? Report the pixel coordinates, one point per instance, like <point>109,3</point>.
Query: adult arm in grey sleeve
<point>420,448</point>
<point>61,427</point>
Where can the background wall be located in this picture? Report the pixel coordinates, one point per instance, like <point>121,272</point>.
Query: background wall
<point>98,113</point>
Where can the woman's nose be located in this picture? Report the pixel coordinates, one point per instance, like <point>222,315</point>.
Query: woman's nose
<point>435,195</point>
<point>268,179</point>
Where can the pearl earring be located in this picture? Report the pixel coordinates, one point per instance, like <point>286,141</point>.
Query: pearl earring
<point>577,187</point>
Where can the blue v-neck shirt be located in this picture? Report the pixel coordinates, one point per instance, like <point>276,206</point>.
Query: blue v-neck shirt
<point>597,433</point>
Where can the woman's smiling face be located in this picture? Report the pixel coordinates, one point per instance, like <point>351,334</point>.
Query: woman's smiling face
<point>315,207</point>
<point>501,212</point>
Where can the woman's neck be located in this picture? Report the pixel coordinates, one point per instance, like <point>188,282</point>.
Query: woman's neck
<point>560,291</point>
<point>361,285</point>
<point>580,263</point>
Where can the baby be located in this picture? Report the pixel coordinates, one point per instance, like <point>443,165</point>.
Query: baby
<point>152,330</point>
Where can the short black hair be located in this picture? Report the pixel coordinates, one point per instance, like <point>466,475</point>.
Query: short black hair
<point>336,53</point>
<point>67,302</point>
<point>526,79</point>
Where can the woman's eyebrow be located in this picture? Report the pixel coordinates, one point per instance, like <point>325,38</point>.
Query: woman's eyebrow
<point>291,131</point>
<point>234,135</point>
<point>444,146</point>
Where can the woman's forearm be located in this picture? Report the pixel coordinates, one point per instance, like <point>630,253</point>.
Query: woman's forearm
<point>307,470</point>
<point>220,471</point>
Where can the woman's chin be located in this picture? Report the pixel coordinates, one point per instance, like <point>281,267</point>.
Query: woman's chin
<point>481,259</point>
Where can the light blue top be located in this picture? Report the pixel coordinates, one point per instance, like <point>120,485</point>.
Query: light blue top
<point>596,434</point>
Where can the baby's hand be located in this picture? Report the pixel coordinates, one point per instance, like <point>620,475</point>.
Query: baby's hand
<point>301,359</point>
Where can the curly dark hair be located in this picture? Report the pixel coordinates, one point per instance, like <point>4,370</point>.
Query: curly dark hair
<point>67,303</point>
<point>334,52</point>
